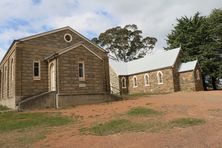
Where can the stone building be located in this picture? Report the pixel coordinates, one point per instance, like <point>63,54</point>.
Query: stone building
<point>56,68</point>
<point>160,72</point>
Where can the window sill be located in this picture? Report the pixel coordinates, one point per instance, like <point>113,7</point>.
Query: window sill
<point>82,80</point>
<point>159,83</point>
<point>36,78</point>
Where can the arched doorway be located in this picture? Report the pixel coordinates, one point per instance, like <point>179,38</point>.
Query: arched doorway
<point>52,77</point>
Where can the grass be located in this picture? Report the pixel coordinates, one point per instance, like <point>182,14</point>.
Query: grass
<point>116,126</point>
<point>185,122</point>
<point>124,125</point>
<point>32,137</point>
<point>15,121</point>
<point>3,108</point>
<point>129,124</point>
<point>110,127</point>
<point>142,111</point>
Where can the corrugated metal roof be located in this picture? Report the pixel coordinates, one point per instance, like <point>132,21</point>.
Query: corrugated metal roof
<point>188,66</point>
<point>150,62</point>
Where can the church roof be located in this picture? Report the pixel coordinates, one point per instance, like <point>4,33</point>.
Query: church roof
<point>153,61</point>
<point>188,66</point>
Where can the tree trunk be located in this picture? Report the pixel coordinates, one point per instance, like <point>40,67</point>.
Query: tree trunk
<point>214,80</point>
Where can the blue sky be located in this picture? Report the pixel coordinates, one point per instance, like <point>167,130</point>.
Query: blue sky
<point>154,17</point>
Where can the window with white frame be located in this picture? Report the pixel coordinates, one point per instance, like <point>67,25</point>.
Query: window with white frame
<point>81,71</point>
<point>123,81</point>
<point>135,83</point>
<point>198,74</point>
<point>159,77</point>
<point>36,70</point>
<point>146,80</point>
<point>68,37</point>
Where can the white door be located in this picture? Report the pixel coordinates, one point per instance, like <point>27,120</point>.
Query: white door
<point>52,77</point>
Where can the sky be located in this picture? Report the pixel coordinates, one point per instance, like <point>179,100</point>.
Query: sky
<point>155,18</point>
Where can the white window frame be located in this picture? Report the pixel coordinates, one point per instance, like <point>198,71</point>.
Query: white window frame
<point>135,84</point>
<point>158,78</point>
<point>148,79</point>
<point>123,84</point>
<point>81,78</point>
<point>39,76</point>
<point>69,36</point>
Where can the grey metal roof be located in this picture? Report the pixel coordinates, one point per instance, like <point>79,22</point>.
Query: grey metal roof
<point>150,62</point>
<point>187,66</point>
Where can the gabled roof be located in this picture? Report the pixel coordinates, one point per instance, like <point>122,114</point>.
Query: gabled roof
<point>57,30</point>
<point>62,51</point>
<point>49,32</point>
<point>153,61</point>
<point>188,66</point>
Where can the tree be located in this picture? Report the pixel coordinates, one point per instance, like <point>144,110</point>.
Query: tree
<point>194,36</point>
<point>215,22</point>
<point>125,44</point>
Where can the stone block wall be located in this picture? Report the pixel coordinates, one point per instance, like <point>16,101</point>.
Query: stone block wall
<point>154,87</point>
<point>69,83</point>
<point>114,81</point>
<point>7,91</point>
<point>41,47</point>
<point>187,82</point>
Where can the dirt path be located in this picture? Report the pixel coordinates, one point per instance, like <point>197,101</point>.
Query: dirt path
<point>206,105</point>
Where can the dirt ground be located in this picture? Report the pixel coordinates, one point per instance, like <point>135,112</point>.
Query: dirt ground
<point>204,105</point>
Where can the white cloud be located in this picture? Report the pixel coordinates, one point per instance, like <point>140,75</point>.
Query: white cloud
<point>154,17</point>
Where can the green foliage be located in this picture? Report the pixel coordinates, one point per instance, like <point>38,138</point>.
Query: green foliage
<point>184,122</point>
<point>200,38</point>
<point>141,111</point>
<point>125,44</point>
<point>13,120</point>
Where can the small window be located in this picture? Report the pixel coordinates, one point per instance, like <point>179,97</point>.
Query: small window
<point>160,77</point>
<point>123,81</point>
<point>81,71</point>
<point>36,70</point>
<point>146,80</point>
<point>198,74</point>
<point>135,83</point>
<point>68,37</point>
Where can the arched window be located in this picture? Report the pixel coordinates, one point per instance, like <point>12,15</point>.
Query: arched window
<point>135,83</point>
<point>6,80</point>
<point>12,69</point>
<point>160,77</point>
<point>146,80</point>
<point>123,81</point>
<point>198,74</point>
